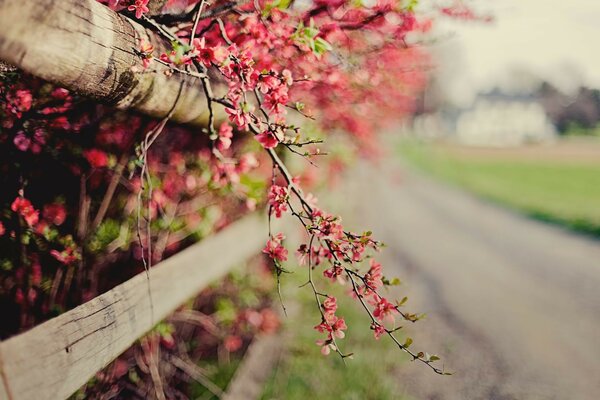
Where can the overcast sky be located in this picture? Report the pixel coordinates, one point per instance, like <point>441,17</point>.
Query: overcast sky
<point>557,40</point>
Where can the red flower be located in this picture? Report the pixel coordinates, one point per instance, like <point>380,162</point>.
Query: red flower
<point>225,135</point>
<point>278,197</point>
<point>333,326</point>
<point>55,213</point>
<point>274,248</point>
<point>384,309</point>
<point>329,306</point>
<point>232,343</point>
<point>21,141</point>
<point>338,327</point>
<point>326,346</point>
<point>67,256</point>
<point>140,7</point>
<point>24,207</point>
<point>374,277</point>
<point>205,55</point>
<point>326,226</point>
<point>146,50</point>
<point>267,139</point>
<point>333,272</point>
<point>19,102</point>
<point>175,58</point>
<point>240,118</point>
<point>96,158</point>
<point>378,330</point>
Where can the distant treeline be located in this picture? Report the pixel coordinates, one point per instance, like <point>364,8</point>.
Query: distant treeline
<point>577,114</point>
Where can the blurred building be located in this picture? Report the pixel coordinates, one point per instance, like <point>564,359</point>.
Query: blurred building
<point>497,119</point>
<point>494,119</point>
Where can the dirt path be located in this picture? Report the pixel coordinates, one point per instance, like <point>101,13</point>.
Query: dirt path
<point>513,305</point>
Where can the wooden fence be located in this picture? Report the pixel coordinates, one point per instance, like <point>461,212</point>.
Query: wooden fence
<point>54,359</point>
<point>86,47</point>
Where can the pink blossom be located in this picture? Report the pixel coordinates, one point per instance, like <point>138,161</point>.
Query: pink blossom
<point>67,256</point>
<point>326,346</point>
<point>240,118</point>
<point>338,328</point>
<point>302,254</point>
<point>275,249</point>
<point>96,158</point>
<point>329,306</point>
<point>287,77</point>
<point>140,7</point>
<point>24,207</point>
<point>378,330</point>
<point>19,102</point>
<point>374,278</point>
<point>333,326</point>
<point>232,343</point>
<point>277,198</point>
<point>384,309</point>
<point>326,226</point>
<point>334,272</point>
<point>146,50</point>
<point>247,162</point>
<point>176,58</point>
<point>204,54</point>
<point>224,173</point>
<point>39,139</point>
<point>55,213</point>
<point>267,139</point>
<point>225,135</point>
<point>21,141</point>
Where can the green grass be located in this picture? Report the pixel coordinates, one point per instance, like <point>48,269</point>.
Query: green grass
<point>304,373</point>
<point>563,191</point>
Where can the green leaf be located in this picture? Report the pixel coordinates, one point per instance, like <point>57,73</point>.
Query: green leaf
<point>393,282</point>
<point>411,5</point>
<point>321,46</point>
<point>279,4</point>
<point>407,343</point>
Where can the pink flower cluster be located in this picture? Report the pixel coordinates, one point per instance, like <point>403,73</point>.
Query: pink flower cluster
<point>332,325</point>
<point>277,199</point>
<point>25,209</point>
<point>140,7</point>
<point>274,248</point>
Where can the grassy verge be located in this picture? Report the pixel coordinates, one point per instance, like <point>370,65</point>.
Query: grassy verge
<point>557,186</point>
<point>303,373</point>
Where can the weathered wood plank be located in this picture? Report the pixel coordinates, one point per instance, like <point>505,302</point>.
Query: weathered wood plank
<point>54,359</point>
<point>86,47</point>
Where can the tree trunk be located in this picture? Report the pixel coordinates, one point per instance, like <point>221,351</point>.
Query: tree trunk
<point>86,47</point>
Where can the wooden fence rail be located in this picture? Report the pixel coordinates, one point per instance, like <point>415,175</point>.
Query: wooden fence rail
<point>54,359</point>
<point>86,47</point>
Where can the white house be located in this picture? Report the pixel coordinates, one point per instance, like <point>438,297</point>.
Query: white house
<point>498,120</point>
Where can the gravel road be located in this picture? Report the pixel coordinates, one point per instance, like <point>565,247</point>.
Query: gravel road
<point>513,305</point>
